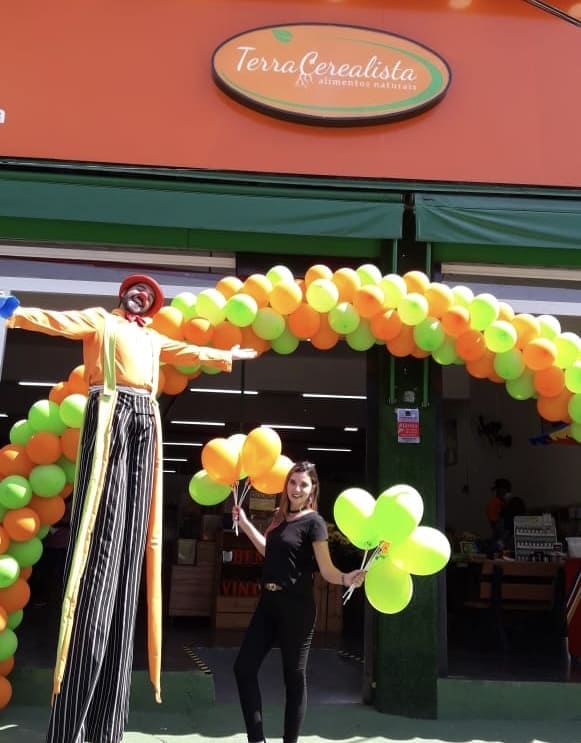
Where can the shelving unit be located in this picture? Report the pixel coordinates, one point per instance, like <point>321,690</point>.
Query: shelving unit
<point>534,534</point>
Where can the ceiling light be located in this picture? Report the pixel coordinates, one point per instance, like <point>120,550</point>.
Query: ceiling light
<point>198,423</point>
<point>181,443</point>
<point>175,459</point>
<point>284,425</point>
<point>334,397</point>
<point>350,428</point>
<point>172,472</point>
<point>326,448</point>
<point>3,415</point>
<point>37,384</point>
<point>224,392</point>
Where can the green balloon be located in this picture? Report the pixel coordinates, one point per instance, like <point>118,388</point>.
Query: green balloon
<point>574,408</point>
<point>185,302</point>
<point>446,353</point>
<point>500,336</point>
<point>483,311</point>
<point>43,531</point>
<point>510,364</point>
<point>15,619</point>
<point>20,432</point>
<point>573,378</point>
<point>211,370</point>
<point>2,513</point>
<point>276,274</point>
<point>241,310</point>
<point>568,347</point>
<point>207,492</point>
<point>26,553</point>
<point>550,326</point>
<point>322,295</point>
<point>9,570</point>
<point>285,343</point>
<point>463,295</point>
<point>210,305</point>
<point>72,410</point>
<point>69,468</point>
<point>424,552</point>
<point>343,318</point>
<point>353,514</point>
<point>47,480</point>
<point>388,589</point>
<point>361,339</point>
<point>15,491</point>
<point>394,290</point>
<point>268,324</point>
<point>44,416</point>
<point>413,308</point>
<point>8,644</point>
<point>188,370</point>
<point>521,388</point>
<point>398,511</point>
<point>369,274</point>
<point>429,334</point>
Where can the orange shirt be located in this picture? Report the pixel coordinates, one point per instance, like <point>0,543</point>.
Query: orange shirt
<point>494,509</point>
<point>134,364</point>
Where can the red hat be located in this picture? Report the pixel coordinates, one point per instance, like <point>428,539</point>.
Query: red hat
<point>138,278</point>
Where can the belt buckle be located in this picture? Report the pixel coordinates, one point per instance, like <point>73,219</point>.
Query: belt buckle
<point>272,587</point>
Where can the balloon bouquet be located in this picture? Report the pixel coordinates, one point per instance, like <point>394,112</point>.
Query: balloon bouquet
<point>237,463</point>
<point>395,546</point>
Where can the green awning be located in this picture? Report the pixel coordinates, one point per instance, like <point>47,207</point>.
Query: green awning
<point>499,220</point>
<point>269,210</point>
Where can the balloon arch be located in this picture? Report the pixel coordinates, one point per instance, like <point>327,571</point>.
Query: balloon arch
<point>409,314</point>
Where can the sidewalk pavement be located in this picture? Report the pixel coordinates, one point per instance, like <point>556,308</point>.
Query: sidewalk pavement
<point>351,723</point>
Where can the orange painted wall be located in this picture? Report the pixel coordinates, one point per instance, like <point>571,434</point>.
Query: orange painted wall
<point>130,82</point>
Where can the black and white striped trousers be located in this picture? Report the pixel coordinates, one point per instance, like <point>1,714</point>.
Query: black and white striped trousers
<point>93,703</point>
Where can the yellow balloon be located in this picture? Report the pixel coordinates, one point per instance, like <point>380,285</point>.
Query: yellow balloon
<point>260,450</point>
<point>388,589</point>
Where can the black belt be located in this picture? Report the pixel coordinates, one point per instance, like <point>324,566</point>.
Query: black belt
<point>272,587</point>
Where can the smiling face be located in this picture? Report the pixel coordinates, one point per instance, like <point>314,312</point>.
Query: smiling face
<point>302,488</point>
<point>138,299</point>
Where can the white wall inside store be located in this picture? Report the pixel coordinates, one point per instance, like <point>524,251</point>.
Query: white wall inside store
<point>544,476</point>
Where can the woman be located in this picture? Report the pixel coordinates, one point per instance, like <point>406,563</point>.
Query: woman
<point>294,545</point>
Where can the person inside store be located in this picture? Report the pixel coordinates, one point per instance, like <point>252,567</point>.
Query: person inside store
<point>294,545</point>
<point>495,509</point>
<point>116,511</point>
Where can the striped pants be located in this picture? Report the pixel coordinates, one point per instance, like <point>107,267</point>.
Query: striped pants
<point>93,704</point>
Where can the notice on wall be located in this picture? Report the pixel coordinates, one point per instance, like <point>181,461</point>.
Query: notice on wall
<point>408,425</point>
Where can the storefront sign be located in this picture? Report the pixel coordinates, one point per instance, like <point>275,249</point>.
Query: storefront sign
<point>330,74</point>
<point>408,426</point>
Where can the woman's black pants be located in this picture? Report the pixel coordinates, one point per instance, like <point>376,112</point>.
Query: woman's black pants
<point>288,620</point>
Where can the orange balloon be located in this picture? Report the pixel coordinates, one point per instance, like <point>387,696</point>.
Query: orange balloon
<point>77,382</point>
<point>304,322</point>
<point>470,345</point>
<point>5,692</point>
<point>66,491</point>
<point>21,524</point>
<point>272,482</point>
<point>14,461</point>
<point>6,666</point>
<point>347,281</point>
<point>527,329</point>
<point>386,325</point>
<point>48,510</point>
<point>70,443</point>
<point>3,618</point>
<point>403,344</point>
<point>419,353</point>
<point>198,331</point>
<point>539,354</point>
<point>16,596</point>
<point>259,288</point>
<point>555,409</point>
<point>25,572</point>
<point>58,393</point>
<point>368,301</point>
<point>251,340</point>
<point>44,448</point>
<point>228,286</point>
<point>325,337</point>
<point>221,460</point>
<point>549,382</point>
<point>494,377</point>
<point>4,540</point>
<point>174,381</point>
<point>318,271</point>
<point>226,335</point>
<point>168,321</point>
<point>416,281</point>
<point>286,297</point>
<point>483,367</point>
<point>440,299</point>
<point>261,449</point>
<point>456,321</point>
<point>505,312</point>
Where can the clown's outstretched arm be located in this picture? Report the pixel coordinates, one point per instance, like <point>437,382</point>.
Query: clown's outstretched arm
<point>175,352</point>
<point>72,324</point>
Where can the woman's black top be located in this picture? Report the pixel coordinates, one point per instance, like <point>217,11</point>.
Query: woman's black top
<point>289,559</point>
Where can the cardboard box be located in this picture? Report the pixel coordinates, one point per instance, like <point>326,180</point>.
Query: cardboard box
<point>186,552</point>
